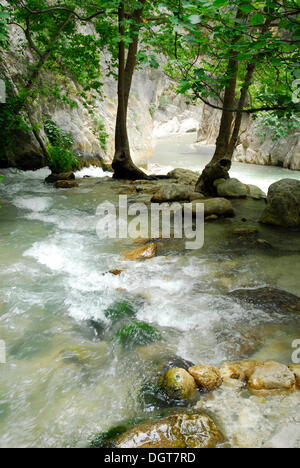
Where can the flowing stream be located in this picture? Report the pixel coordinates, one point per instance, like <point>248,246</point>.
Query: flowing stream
<point>62,382</point>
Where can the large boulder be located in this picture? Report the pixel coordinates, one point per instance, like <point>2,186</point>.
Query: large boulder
<point>52,178</point>
<point>231,188</point>
<point>182,430</point>
<point>283,208</point>
<point>184,176</point>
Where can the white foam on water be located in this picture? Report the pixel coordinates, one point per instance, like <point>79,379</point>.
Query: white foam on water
<point>36,204</point>
<point>92,171</point>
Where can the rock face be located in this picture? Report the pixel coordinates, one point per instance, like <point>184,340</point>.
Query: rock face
<point>179,384</point>
<point>251,150</point>
<point>206,377</point>
<point>283,208</point>
<point>271,377</point>
<point>193,430</point>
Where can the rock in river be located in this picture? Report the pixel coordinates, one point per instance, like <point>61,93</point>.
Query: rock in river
<point>269,299</point>
<point>271,377</point>
<point>181,430</point>
<point>283,208</point>
<point>206,377</point>
<point>179,384</point>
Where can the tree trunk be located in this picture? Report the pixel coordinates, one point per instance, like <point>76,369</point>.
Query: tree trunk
<point>123,166</point>
<point>239,115</point>
<point>219,166</point>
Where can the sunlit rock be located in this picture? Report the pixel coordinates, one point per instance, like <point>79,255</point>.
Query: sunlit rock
<point>271,377</point>
<point>179,384</point>
<point>66,184</point>
<point>206,377</point>
<point>194,430</point>
<point>142,253</point>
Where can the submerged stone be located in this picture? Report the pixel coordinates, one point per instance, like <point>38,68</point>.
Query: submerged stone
<point>66,184</point>
<point>269,299</point>
<point>137,334</point>
<point>120,310</point>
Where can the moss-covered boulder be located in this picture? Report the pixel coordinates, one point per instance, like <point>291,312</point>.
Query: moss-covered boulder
<point>120,310</point>
<point>179,384</point>
<point>181,430</point>
<point>137,334</point>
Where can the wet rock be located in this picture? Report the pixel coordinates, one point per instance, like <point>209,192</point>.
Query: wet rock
<point>269,299</point>
<point>196,196</point>
<point>211,218</point>
<point>255,192</point>
<point>206,377</point>
<point>283,208</point>
<point>137,334</point>
<point>52,178</point>
<point>184,176</point>
<point>244,231</point>
<point>237,372</point>
<point>179,384</point>
<point>271,377</point>
<point>182,430</point>
<point>295,368</point>
<point>116,272</point>
<point>231,188</point>
<point>172,193</point>
<point>215,206</point>
<point>142,253</point>
<point>66,184</point>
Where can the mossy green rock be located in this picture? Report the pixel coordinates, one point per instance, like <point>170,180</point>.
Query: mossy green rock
<point>182,430</point>
<point>137,334</point>
<point>120,310</point>
<point>179,384</point>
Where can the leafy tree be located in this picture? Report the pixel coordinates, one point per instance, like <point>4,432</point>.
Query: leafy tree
<point>239,57</point>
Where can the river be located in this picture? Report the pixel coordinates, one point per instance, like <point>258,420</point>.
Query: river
<point>62,383</point>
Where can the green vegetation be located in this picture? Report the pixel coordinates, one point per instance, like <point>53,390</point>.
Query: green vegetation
<point>103,440</point>
<point>275,127</point>
<point>120,310</point>
<point>137,334</point>
<point>61,157</point>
